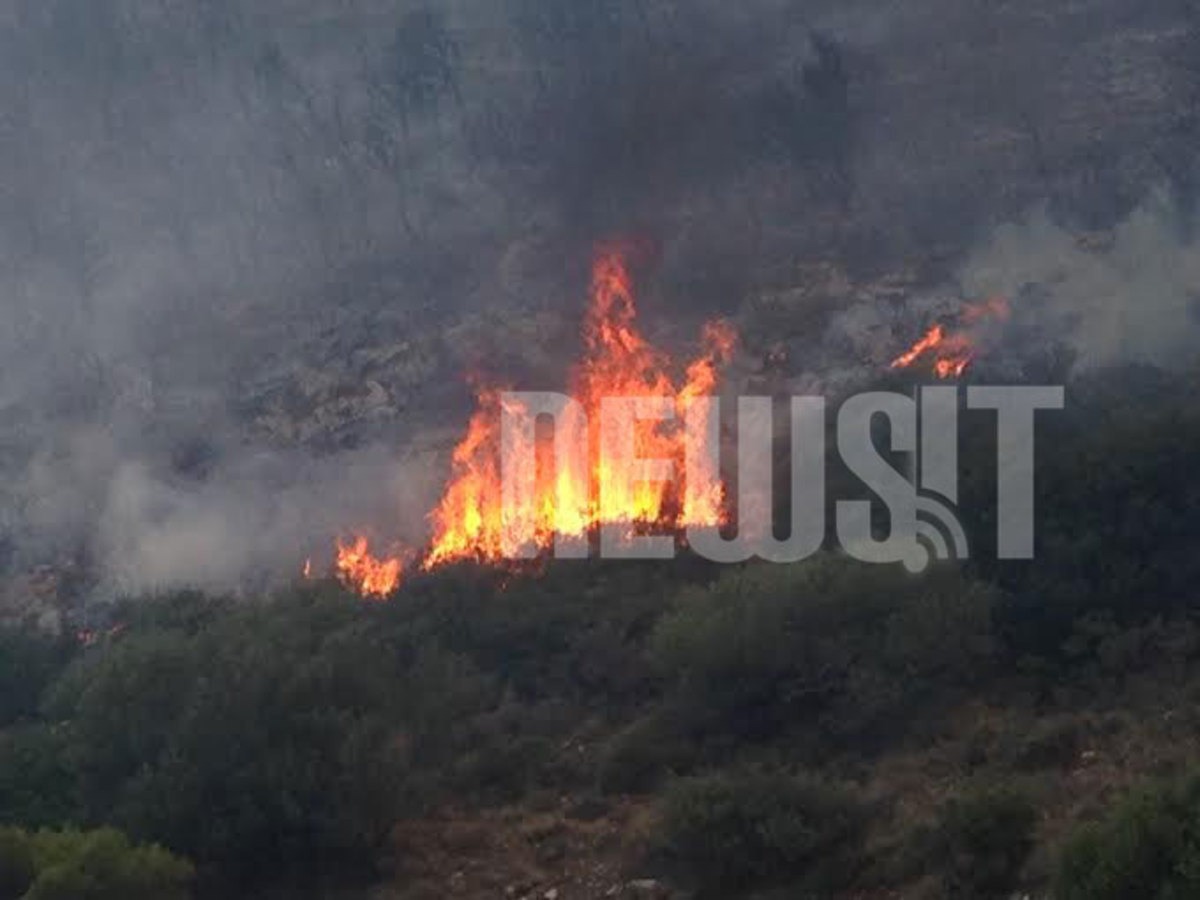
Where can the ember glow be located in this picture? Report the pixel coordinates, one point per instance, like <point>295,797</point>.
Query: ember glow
<point>594,483</point>
<point>953,352</point>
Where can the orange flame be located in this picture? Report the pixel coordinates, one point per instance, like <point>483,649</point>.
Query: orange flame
<point>473,522</point>
<point>704,499</point>
<point>954,353</point>
<point>594,485</point>
<point>933,338</point>
<point>470,519</point>
<point>368,575</point>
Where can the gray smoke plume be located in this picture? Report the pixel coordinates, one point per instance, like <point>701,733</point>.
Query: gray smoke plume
<point>250,252</point>
<point>1131,294</point>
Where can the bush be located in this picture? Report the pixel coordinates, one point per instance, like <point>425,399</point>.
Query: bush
<point>122,705</point>
<point>38,780</point>
<point>555,636</point>
<point>638,758</point>
<point>983,840</point>
<point>29,661</point>
<point>1148,847</point>
<point>1116,519</point>
<point>278,752</point>
<point>269,735</point>
<point>763,830</point>
<point>856,646</point>
<point>95,865</point>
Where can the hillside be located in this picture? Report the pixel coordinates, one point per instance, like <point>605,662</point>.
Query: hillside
<point>263,263</point>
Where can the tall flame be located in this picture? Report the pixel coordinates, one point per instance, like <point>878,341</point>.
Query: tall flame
<point>953,353</point>
<point>472,521</point>
<point>592,482</point>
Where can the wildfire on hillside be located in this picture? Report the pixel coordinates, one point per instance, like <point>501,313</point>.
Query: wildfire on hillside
<point>592,484</point>
<point>954,351</point>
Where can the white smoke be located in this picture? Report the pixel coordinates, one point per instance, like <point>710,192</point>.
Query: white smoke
<point>1128,296</point>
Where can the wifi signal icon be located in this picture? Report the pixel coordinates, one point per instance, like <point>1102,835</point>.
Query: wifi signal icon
<point>939,534</point>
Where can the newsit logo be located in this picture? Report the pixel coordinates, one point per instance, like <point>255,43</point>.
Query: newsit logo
<point>918,498</point>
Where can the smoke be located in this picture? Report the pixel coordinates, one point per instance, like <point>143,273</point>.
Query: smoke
<point>249,252</point>
<point>1073,299</point>
<point>1131,294</point>
<point>219,534</point>
<point>254,519</point>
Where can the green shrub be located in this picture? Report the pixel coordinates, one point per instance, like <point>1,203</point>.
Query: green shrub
<point>983,840</point>
<point>568,633</point>
<point>280,753</point>
<point>741,832</point>
<point>38,778</point>
<point>1148,847</point>
<point>503,769</point>
<point>122,705</point>
<point>855,646</point>
<point>638,758</point>
<point>29,661</point>
<point>264,735</point>
<point>94,865</point>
